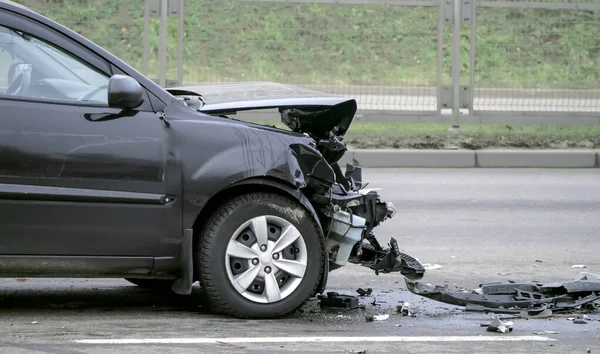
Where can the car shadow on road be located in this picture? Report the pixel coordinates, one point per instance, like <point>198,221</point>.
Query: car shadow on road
<point>92,294</point>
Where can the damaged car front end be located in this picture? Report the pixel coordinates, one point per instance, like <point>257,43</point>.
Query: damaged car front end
<point>347,210</point>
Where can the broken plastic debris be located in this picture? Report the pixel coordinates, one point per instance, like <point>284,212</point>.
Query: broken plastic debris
<point>404,309</point>
<point>34,322</point>
<point>567,296</point>
<point>503,273</point>
<point>580,322</point>
<point>334,299</point>
<point>499,326</point>
<point>429,266</point>
<point>579,266</point>
<point>381,317</point>
<point>547,332</point>
<point>363,292</point>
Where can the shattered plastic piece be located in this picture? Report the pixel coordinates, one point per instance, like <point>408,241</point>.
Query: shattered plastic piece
<point>34,322</point>
<point>503,274</point>
<point>387,260</point>
<point>429,266</point>
<point>499,326</point>
<point>334,299</point>
<point>363,292</point>
<point>538,312</point>
<point>404,309</point>
<point>580,322</point>
<point>579,266</point>
<point>381,317</point>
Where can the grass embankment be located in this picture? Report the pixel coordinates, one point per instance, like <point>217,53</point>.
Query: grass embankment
<point>374,135</point>
<point>364,45</point>
<point>345,44</point>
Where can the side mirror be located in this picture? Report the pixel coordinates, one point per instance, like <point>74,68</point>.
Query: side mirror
<point>124,92</point>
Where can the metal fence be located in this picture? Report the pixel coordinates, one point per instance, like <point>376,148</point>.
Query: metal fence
<point>535,61</point>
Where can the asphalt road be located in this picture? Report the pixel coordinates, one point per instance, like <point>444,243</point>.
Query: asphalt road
<point>480,225</point>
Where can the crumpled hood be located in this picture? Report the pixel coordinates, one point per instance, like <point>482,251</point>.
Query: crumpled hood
<point>302,110</point>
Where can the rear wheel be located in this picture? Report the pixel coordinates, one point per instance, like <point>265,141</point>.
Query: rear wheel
<point>260,256</point>
<point>151,283</point>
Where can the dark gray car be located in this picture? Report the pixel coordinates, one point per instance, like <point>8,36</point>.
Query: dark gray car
<point>105,174</point>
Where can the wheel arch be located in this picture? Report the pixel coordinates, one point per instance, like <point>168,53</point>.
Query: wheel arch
<point>252,185</point>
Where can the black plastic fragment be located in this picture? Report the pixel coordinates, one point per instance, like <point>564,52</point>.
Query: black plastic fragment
<point>334,299</point>
<point>363,292</point>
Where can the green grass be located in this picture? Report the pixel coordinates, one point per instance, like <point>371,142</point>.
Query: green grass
<point>470,136</point>
<point>346,44</point>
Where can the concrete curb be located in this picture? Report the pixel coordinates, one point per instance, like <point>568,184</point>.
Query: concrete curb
<point>473,158</point>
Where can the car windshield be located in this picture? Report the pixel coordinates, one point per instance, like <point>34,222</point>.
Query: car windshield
<point>30,67</point>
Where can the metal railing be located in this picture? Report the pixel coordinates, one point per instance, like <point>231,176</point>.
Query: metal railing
<point>535,61</point>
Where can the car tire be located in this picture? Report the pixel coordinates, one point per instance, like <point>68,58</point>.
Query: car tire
<point>158,284</point>
<point>244,276</point>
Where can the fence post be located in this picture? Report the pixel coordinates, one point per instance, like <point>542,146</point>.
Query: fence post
<point>180,45</point>
<point>456,66</point>
<point>145,39</point>
<point>162,44</point>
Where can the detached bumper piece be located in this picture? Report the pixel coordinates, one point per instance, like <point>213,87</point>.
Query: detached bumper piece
<point>502,297</point>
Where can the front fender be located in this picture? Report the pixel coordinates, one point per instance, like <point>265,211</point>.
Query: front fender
<point>216,153</point>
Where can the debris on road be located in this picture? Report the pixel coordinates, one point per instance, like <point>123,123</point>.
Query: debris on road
<point>538,261</point>
<point>334,299</point>
<point>34,322</point>
<point>547,332</point>
<point>381,317</point>
<point>579,266</point>
<point>580,321</point>
<point>429,266</point>
<point>503,274</point>
<point>514,297</point>
<point>404,309</point>
<point>499,326</point>
<point>363,292</point>
<point>538,312</point>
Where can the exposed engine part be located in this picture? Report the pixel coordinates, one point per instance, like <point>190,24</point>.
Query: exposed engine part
<point>353,211</point>
<point>345,231</point>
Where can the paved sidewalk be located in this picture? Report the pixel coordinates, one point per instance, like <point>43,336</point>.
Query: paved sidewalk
<point>473,158</point>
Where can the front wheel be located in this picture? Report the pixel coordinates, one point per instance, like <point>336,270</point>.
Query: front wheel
<point>260,256</point>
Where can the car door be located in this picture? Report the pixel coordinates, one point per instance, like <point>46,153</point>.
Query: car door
<point>77,177</point>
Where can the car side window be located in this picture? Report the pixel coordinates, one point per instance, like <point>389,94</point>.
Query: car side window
<point>32,68</point>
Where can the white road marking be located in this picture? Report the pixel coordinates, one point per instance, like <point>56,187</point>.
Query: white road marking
<point>507,338</point>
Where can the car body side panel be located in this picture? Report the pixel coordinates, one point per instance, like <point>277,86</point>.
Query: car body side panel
<point>218,152</point>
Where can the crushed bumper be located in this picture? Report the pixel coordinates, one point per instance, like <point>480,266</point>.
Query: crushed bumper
<point>352,212</point>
